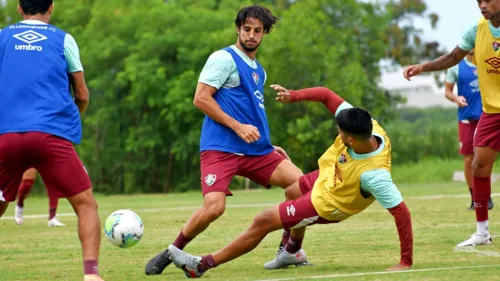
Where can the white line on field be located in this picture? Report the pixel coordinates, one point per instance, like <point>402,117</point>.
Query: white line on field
<point>234,206</point>
<point>380,273</point>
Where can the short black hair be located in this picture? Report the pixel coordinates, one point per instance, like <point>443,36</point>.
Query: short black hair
<point>34,7</point>
<point>258,12</point>
<point>356,122</point>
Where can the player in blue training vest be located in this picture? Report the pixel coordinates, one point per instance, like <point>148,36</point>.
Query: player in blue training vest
<point>469,105</point>
<point>40,119</point>
<point>235,138</point>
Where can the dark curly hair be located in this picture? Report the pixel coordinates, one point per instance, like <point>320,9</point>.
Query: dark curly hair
<point>258,12</point>
<point>355,121</point>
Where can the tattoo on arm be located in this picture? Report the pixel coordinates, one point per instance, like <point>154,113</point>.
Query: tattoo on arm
<point>445,61</point>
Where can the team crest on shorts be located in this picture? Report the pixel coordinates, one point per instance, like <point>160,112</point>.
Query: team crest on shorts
<point>210,179</point>
<point>342,159</point>
<point>255,77</point>
<point>496,46</point>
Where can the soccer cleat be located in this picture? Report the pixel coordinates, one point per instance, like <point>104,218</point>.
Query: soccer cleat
<point>490,204</point>
<point>92,277</point>
<point>54,222</point>
<point>476,240</point>
<point>188,263</point>
<point>284,259</point>
<point>157,264</point>
<point>18,215</point>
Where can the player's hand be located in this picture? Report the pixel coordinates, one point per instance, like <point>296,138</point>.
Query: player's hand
<point>461,101</point>
<point>281,151</point>
<point>282,94</point>
<point>399,267</point>
<point>412,70</point>
<point>248,133</point>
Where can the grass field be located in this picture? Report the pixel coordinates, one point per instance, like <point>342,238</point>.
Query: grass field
<point>360,248</point>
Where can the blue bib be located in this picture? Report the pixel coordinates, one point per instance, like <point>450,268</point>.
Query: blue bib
<point>34,86</point>
<point>468,86</point>
<point>245,104</point>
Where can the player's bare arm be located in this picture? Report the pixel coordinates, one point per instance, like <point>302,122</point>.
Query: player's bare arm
<point>441,63</point>
<point>203,99</point>
<point>459,100</point>
<point>80,90</point>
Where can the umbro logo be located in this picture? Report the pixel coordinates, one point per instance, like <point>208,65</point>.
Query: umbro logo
<point>493,61</point>
<point>29,37</point>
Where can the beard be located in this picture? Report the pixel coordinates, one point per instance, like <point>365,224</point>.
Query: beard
<point>247,48</point>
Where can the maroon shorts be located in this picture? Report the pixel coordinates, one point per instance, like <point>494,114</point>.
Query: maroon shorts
<point>218,169</point>
<point>54,158</point>
<point>488,131</point>
<point>301,212</point>
<point>466,129</point>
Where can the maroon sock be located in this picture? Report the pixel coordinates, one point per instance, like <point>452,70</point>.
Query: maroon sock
<point>294,244</point>
<point>285,237</point>
<point>181,241</point>
<point>206,263</point>
<point>90,267</point>
<point>481,194</point>
<point>52,207</point>
<point>24,190</point>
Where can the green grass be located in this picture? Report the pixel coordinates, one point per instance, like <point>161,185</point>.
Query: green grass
<point>364,243</point>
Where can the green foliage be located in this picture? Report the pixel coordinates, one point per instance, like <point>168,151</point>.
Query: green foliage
<point>142,59</point>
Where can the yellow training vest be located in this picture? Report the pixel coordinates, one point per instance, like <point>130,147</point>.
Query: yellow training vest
<point>487,57</point>
<point>338,185</point>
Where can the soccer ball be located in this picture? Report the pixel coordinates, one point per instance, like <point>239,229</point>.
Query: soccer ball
<point>123,228</point>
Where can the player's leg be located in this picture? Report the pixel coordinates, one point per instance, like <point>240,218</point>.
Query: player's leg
<point>468,176</point>
<point>24,189</point>
<point>53,220</point>
<point>487,145</point>
<point>12,167</point>
<point>65,177</point>
<point>217,171</point>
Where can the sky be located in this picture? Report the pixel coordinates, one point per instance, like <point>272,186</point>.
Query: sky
<point>454,17</point>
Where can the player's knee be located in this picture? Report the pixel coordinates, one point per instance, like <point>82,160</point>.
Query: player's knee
<point>479,167</point>
<point>214,211</point>
<point>263,220</point>
<point>292,194</point>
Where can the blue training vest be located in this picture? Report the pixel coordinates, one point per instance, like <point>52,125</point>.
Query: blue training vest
<point>244,103</point>
<point>34,85</point>
<point>468,86</point>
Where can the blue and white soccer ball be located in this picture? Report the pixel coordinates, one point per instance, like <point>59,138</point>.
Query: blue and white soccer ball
<point>123,228</point>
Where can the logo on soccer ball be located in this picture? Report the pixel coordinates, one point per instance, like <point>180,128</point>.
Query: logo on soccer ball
<point>29,37</point>
<point>255,77</point>
<point>342,159</point>
<point>210,179</point>
<point>496,46</point>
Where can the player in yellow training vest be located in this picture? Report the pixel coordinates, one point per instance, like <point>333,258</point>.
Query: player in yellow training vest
<point>485,38</point>
<point>353,173</point>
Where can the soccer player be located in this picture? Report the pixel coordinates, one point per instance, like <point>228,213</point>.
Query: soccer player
<point>27,182</point>
<point>483,37</point>
<point>469,105</point>
<point>39,118</point>
<point>235,138</point>
<point>353,173</point>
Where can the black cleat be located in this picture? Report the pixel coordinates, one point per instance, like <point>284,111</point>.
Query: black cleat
<point>490,204</point>
<point>157,264</point>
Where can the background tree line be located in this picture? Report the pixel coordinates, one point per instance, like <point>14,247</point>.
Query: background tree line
<point>142,59</point>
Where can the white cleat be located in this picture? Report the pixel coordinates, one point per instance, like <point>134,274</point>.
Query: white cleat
<point>54,222</point>
<point>476,240</point>
<point>19,215</point>
<point>284,259</point>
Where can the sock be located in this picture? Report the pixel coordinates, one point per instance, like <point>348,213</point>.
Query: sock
<point>90,267</point>
<point>181,241</point>
<point>294,244</point>
<point>52,207</point>
<point>482,228</point>
<point>24,190</point>
<point>285,237</point>
<point>481,194</point>
<point>206,263</point>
